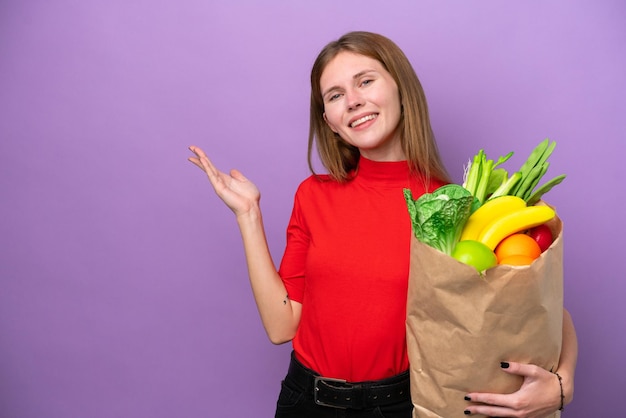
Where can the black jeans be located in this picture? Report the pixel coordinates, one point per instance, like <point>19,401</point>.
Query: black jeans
<point>297,401</point>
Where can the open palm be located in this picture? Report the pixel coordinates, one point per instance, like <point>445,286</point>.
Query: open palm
<point>239,193</point>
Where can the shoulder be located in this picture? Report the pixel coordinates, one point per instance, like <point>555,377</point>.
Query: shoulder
<point>317,182</point>
<point>317,188</point>
<point>421,185</point>
<point>435,183</point>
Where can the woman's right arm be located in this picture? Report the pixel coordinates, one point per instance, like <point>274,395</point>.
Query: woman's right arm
<point>279,314</point>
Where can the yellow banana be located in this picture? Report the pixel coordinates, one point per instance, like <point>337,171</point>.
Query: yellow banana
<point>490,210</point>
<point>513,222</point>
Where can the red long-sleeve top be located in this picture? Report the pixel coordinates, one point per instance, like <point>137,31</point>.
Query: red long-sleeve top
<point>347,263</point>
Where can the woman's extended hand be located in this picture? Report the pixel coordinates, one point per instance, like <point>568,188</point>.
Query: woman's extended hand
<point>239,194</point>
<point>538,397</point>
<point>279,314</point>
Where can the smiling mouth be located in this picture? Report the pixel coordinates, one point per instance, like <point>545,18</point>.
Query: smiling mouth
<point>363,120</point>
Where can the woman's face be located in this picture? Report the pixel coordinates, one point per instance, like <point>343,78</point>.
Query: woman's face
<point>362,105</point>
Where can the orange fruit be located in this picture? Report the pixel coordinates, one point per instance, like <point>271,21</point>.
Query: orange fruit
<point>517,244</point>
<point>517,260</point>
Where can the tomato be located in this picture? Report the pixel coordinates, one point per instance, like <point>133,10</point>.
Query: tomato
<point>517,244</point>
<point>542,235</point>
<point>475,254</point>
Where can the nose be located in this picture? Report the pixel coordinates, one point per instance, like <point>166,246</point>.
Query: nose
<point>353,100</point>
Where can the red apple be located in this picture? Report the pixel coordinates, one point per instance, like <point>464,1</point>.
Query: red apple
<point>542,235</point>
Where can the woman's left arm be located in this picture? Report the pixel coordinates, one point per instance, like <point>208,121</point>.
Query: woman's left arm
<point>540,393</point>
<point>569,357</point>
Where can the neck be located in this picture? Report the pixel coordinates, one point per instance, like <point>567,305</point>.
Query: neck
<point>390,150</point>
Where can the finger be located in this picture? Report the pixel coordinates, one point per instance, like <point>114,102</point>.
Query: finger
<point>208,169</point>
<point>489,411</point>
<point>213,173</point>
<point>197,151</point>
<point>237,175</point>
<point>199,154</point>
<point>202,161</point>
<point>195,161</point>
<point>520,369</point>
<point>487,400</point>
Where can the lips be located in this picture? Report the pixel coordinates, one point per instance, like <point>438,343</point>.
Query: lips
<point>363,119</point>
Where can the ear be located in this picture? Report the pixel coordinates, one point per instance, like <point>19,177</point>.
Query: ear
<point>329,124</point>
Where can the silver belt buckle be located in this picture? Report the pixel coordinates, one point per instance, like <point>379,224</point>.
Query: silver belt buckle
<point>316,390</point>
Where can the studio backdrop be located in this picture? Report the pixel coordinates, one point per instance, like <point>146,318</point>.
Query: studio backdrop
<point>123,286</point>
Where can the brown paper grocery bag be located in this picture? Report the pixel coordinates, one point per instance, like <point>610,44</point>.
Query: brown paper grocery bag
<point>461,325</point>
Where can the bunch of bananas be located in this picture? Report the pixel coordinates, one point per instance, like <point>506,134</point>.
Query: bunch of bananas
<point>500,217</point>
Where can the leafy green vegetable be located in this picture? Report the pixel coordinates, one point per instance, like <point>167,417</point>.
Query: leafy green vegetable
<point>485,182</point>
<point>507,185</point>
<point>438,218</point>
<point>473,171</point>
<point>545,188</point>
<point>533,170</point>
<point>498,177</point>
<point>481,174</point>
<point>533,166</point>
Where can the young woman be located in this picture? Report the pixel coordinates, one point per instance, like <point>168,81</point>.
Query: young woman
<point>340,292</point>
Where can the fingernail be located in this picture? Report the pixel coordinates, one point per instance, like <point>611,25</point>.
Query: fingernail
<point>467,398</point>
<point>467,412</point>
<point>504,364</point>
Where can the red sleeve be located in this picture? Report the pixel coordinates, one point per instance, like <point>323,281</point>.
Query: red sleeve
<point>294,259</point>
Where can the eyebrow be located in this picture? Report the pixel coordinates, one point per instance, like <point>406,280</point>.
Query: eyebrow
<point>354,77</point>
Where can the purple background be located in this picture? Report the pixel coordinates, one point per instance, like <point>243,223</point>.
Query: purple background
<point>123,289</point>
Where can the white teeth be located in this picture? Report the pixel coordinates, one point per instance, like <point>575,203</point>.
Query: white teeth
<point>362,120</point>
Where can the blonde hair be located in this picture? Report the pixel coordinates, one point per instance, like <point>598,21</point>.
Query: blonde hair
<point>417,138</point>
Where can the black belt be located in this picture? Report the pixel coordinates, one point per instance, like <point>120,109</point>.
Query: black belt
<point>337,393</point>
